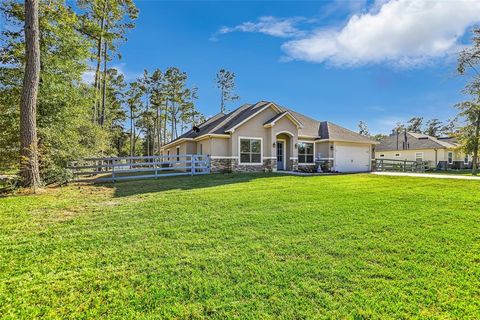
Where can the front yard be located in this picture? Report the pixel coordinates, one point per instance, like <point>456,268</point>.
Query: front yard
<point>244,246</point>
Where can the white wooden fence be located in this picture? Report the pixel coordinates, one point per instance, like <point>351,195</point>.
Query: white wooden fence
<point>124,168</point>
<point>398,165</point>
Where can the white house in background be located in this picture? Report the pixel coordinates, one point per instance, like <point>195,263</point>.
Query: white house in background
<point>441,153</point>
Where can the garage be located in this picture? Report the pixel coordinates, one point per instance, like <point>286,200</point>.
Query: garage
<point>351,157</point>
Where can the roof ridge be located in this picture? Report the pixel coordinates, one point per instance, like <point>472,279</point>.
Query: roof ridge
<point>231,115</point>
<point>211,119</point>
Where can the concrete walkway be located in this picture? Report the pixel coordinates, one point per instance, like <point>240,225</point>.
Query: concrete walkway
<point>426,175</point>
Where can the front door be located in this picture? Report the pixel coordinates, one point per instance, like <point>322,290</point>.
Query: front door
<point>280,155</point>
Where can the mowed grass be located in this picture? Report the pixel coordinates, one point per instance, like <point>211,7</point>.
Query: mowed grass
<point>244,246</point>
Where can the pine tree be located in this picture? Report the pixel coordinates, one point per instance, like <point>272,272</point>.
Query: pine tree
<point>29,169</point>
<point>225,81</point>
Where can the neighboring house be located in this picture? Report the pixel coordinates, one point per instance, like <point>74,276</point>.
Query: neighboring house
<point>440,153</point>
<point>265,136</point>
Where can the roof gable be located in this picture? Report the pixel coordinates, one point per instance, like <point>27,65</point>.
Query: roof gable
<point>271,122</point>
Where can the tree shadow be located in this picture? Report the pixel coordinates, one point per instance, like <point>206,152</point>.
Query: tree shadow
<point>135,187</point>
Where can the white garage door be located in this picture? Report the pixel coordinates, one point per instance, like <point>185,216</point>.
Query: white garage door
<point>352,158</point>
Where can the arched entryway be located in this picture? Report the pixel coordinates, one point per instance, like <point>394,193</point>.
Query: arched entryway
<point>283,152</point>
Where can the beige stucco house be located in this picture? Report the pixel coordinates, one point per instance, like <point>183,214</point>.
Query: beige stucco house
<point>266,136</point>
<point>441,153</point>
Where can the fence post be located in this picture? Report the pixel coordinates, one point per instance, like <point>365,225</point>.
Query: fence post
<point>193,163</point>
<point>114,161</point>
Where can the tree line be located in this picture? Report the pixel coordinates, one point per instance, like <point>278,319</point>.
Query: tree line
<point>49,113</point>
<point>432,127</point>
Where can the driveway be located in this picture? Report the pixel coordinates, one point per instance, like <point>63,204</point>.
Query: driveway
<point>426,175</point>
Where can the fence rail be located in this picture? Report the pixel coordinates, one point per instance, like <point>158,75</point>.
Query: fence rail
<point>398,165</point>
<point>124,168</point>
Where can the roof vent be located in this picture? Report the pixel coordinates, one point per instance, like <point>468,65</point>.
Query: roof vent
<point>196,129</point>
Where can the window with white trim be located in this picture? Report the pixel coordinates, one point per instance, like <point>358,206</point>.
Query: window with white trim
<point>466,160</point>
<point>419,156</point>
<point>305,152</point>
<point>251,150</point>
<point>450,157</point>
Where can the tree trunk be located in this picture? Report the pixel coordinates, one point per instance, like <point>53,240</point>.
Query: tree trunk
<point>165,116</point>
<point>158,131</point>
<point>132,132</point>
<point>29,169</point>
<point>475,148</point>
<point>97,82</point>
<point>222,103</point>
<point>104,89</point>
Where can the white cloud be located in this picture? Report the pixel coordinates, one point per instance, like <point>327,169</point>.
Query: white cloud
<point>272,26</point>
<point>400,32</point>
<point>88,76</point>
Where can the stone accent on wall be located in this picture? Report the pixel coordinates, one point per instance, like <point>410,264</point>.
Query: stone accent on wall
<point>232,165</point>
<point>221,165</point>
<point>307,167</point>
<point>270,165</point>
<point>294,164</point>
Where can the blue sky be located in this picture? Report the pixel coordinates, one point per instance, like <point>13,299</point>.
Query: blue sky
<point>378,61</point>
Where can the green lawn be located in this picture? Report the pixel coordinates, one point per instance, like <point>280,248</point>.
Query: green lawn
<point>244,246</point>
<point>463,172</point>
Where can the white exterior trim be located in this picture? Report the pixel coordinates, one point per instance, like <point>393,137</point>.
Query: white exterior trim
<point>223,157</point>
<point>268,105</point>
<point>418,153</point>
<point>289,115</point>
<point>285,132</point>
<point>269,158</point>
<point>212,135</point>
<point>448,157</point>
<point>284,153</point>
<point>232,129</point>
<point>293,158</point>
<point>306,141</point>
<point>261,151</point>
<point>339,140</point>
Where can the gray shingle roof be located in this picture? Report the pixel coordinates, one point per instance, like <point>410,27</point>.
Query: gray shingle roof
<point>221,123</point>
<point>333,131</point>
<point>414,141</point>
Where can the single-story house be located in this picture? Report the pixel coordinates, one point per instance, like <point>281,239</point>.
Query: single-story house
<point>441,153</point>
<point>267,137</point>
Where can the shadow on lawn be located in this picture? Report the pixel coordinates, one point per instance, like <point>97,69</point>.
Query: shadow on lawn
<point>134,187</point>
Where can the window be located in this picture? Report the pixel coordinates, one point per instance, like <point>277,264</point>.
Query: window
<point>397,154</point>
<point>465,161</point>
<point>305,152</point>
<point>251,150</point>
<point>419,156</point>
<point>450,157</point>
<point>178,153</point>
<point>382,155</point>
<point>201,148</point>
